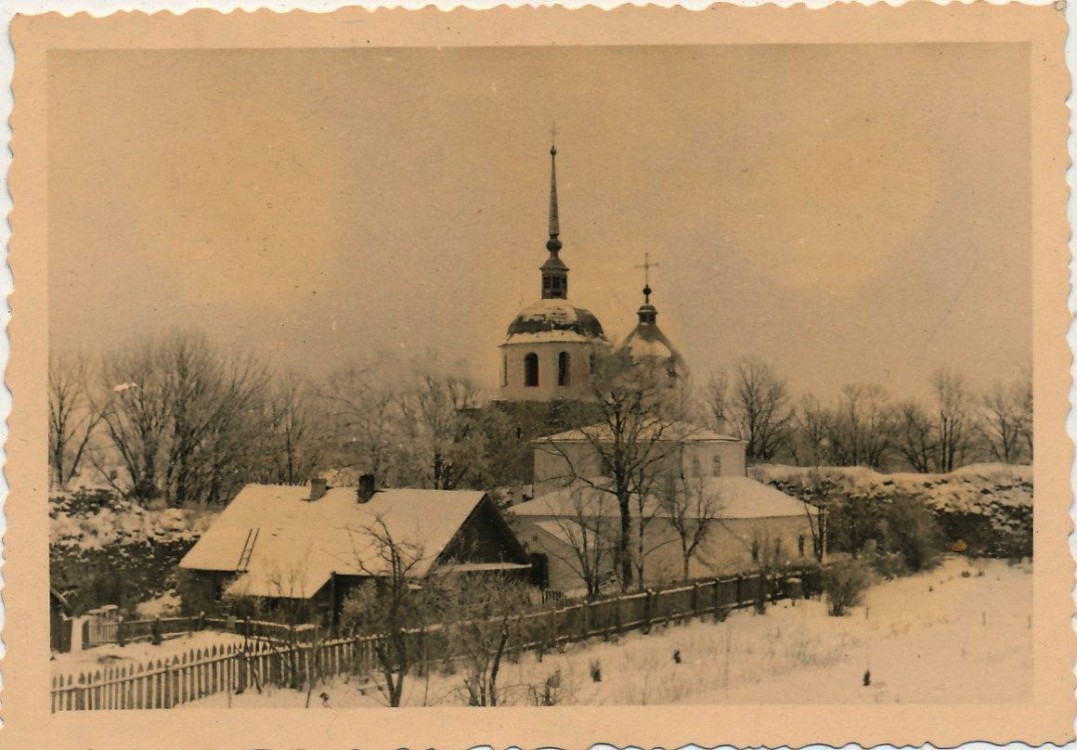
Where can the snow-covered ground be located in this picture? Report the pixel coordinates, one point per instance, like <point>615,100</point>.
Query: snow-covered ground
<point>939,637</point>
<point>142,652</point>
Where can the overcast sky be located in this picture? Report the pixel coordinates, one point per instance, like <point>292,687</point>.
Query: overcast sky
<point>845,212</point>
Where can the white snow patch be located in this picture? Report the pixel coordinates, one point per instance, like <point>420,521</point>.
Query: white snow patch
<point>935,638</point>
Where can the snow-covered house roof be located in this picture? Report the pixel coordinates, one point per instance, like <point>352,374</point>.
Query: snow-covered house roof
<point>734,497</point>
<point>670,431</point>
<point>282,544</point>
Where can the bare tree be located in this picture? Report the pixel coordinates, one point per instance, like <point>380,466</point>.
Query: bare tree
<point>863,428</point>
<point>1007,422</point>
<point>816,502</point>
<point>135,409</point>
<point>590,534</point>
<point>956,422</point>
<point>215,417</point>
<point>812,426</point>
<point>638,408</point>
<point>715,399</point>
<point>438,419</point>
<point>362,415</point>
<point>476,611</point>
<point>291,442</point>
<point>1026,412</point>
<point>390,606</point>
<point>72,419</point>
<point>917,437</point>
<point>693,509</point>
<point>759,407</point>
<point>183,417</point>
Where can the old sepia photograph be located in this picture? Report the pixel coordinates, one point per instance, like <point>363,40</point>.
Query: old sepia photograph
<point>624,374</point>
<point>540,377</point>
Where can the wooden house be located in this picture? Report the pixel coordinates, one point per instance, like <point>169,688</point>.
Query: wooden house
<point>312,545</point>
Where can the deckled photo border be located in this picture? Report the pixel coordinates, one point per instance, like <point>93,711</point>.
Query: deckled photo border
<point>1048,718</point>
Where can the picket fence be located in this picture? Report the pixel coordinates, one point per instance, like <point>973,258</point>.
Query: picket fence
<point>99,632</point>
<point>293,663</point>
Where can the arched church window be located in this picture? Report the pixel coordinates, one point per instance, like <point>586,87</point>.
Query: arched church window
<point>531,370</point>
<point>562,368</point>
<point>716,466</point>
<point>800,545</point>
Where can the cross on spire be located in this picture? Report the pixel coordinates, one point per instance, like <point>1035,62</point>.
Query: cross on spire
<point>647,266</point>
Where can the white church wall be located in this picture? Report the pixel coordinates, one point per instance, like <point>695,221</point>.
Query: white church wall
<point>727,550</point>
<point>513,380</point>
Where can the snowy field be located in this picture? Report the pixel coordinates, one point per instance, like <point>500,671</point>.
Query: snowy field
<point>959,634</point>
<point>110,655</point>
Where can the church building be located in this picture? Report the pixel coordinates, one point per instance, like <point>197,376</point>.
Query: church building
<point>550,352</point>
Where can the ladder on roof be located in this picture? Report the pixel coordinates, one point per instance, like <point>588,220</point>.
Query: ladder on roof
<point>248,549</point>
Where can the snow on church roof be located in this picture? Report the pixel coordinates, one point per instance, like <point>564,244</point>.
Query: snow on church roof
<point>671,431</point>
<point>554,320</point>
<point>300,543</point>
<point>736,497</point>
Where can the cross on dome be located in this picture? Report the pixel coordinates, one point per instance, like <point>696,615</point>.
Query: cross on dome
<point>647,266</point>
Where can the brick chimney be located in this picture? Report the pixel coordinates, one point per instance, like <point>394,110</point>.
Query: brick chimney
<point>366,488</point>
<point>318,487</point>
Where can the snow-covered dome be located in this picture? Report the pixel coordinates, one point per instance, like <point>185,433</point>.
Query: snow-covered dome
<point>555,320</point>
<point>648,343</point>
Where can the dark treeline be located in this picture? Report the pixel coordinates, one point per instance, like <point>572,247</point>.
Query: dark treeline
<point>866,426</point>
<point>177,419</point>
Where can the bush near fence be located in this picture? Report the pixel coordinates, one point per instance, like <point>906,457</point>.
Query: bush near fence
<point>292,656</point>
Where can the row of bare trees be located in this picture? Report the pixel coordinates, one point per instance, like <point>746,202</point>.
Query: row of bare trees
<point>176,417</point>
<point>866,426</point>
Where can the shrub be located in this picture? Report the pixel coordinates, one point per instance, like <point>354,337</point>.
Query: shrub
<point>909,529</point>
<point>845,584</point>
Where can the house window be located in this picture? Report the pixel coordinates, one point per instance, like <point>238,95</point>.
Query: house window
<point>531,371</point>
<point>716,466</point>
<point>504,371</point>
<point>697,467</point>
<point>755,551</point>
<point>778,549</point>
<point>562,368</point>
<point>800,545</point>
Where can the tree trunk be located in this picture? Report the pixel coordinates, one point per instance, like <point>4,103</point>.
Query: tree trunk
<point>623,552</point>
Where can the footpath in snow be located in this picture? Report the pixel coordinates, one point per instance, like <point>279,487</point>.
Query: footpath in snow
<point>958,634</point>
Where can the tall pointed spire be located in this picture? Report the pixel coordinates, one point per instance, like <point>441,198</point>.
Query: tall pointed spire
<point>554,244</point>
<point>554,270</point>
